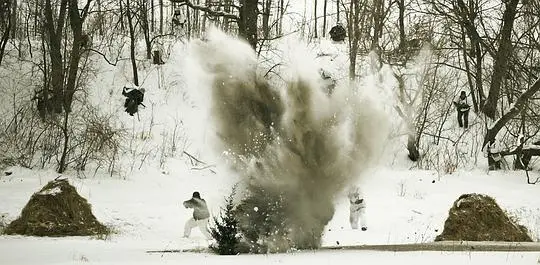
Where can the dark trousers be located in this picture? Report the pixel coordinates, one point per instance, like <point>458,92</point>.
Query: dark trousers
<point>131,106</point>
<point>463,118</point>
<point>493,164</point>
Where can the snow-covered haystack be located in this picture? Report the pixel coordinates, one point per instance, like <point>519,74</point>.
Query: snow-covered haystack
<point>56,210</point>
<point>477,217</point>
<point>295,147</point>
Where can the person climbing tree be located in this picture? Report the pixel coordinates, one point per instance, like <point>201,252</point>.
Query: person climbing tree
<point>134,98</point>
<point>462,108</point>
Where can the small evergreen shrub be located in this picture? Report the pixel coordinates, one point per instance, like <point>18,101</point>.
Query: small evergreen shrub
<point>225,229</point>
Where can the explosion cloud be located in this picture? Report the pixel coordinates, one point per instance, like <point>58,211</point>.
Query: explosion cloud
<point>294,146</point>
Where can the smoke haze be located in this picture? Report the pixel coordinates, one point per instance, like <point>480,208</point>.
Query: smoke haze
<point>292,144</point>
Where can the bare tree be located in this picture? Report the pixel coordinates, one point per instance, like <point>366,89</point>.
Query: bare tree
<point>54,34</point>
<point>142,10</point>
<point>246,17</point>
<point>5,25</point>
<point>504,52</point>
<point>132,39</point>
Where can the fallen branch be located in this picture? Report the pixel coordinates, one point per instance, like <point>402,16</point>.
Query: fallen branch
<point>193,158</point>
<point>202,168</point>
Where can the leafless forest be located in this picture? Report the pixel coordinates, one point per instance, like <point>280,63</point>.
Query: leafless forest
<point>49,51</point>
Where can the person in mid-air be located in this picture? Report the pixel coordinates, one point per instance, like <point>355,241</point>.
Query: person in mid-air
<point>134,98</point>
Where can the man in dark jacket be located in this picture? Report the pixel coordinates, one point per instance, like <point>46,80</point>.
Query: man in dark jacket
<point>200,215</point>
<point>462,109</point>
<point>134,98</point>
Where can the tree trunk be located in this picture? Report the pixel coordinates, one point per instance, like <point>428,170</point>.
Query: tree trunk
<point>468,70</point>
<point>143,11</point>
<point>501,60</point>
<point>55,52</point>
<point>132,43</point>
<point>121,6</point>
<point>65,133</point>
<point>406,113</point>
<point>6,33</point>
<point>412,146</point>
<point>37,14</point>
<point>100,18</point>
<point>188,15</point>
<point>196,26</point>
<point>281,13</point>
<point>227,9</point>
<point>378,18</point>
<point>315,19</point>
<point>13,18</point>
<point>44,109</point>
<point>337,11</point>
<point>401,25</point>
<point>152,16</point>
<point>161,17</point>
<point>205,16</point>
<point>266,18</point>
<point>76,22</point>
<point>247,25</point>
<point>325,6</point>
<point>354,36</point>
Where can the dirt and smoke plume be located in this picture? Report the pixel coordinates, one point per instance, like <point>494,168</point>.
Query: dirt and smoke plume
<point>295,147</point>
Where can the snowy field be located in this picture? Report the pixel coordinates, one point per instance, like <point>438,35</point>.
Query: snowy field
<point>146,214</point>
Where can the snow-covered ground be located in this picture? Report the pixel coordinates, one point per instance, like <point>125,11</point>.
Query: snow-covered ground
<point>146,213</point>
<point>144,206</point>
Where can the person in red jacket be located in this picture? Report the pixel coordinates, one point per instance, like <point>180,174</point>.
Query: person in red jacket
<point>200,215</point>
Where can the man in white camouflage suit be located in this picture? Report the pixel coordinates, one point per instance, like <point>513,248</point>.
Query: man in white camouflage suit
<point>357,208</point>
<point>200,215</point>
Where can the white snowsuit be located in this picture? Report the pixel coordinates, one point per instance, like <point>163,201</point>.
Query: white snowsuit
<point>199,219</point>
<point>357,208</point>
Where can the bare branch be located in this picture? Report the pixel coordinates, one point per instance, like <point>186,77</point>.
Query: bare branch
<point>529,179</point>
<point>208,10</point>
<point>103,55</point>
<point>520,103</point>
<point>161,35</point>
